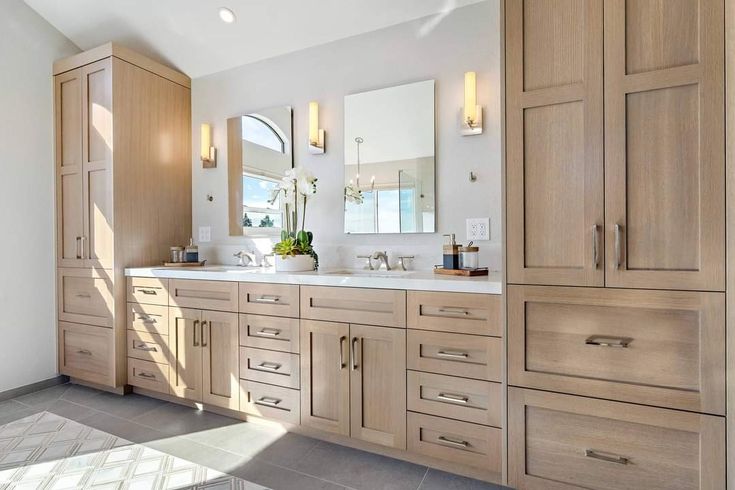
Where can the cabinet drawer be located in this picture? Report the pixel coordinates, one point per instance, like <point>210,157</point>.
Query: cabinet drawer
<point>148,318</point>
<point>456,398</point>
<point>454,441</point>
<point>148,347</point>
<point>85,296</point>
<point>662,348</point>
<point>270,299</point>
<point>204,295</point>
<point>148,290</point>
<point>86,352</point>
<point>385,307</point>
<point>468,356</point>
<point>272,402</point>
<point>270,332</point>
<point>266,366</point>
<point>148,375</point>
<point>476,314</point>
<point>568,442</point>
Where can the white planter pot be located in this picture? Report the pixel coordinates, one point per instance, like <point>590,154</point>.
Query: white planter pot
<point>295,263</point>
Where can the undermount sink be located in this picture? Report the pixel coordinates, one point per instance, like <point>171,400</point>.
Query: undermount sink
<point>226,268</point>
<point>367,273</point>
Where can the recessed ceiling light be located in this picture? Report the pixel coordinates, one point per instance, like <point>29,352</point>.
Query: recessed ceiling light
<point>226,15</point>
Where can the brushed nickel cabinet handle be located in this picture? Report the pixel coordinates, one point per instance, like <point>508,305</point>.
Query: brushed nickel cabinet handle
<point>453,442</point>
<point>149,292</point>
<point>595,246</point>
<point>146,318</point>
<point>270,366</point>
<point>268,401</point>
<point>78,247</point>
<point>449,397</point>
<point>606,341</point>
<point>196,324</point>
<point>618,245</point>
<point>609,457</point>
<point>205,333</point>
<point>83,240</point>
<point>83,295</point>
<point>268,332</point>
<point>451,354</point>
<point>354,353</point>
<point>144,347</point>
<point>84,352</point>
<point>147,375</point>
<point>267,299</point>
<point>342,364</point>
<point>450,310</point>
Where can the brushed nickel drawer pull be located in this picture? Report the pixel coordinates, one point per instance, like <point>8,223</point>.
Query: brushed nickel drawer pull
<point>196,324</point>
<point>147,375</point>
<point>84,352</point>
<point>267,299</point>
<point>453,354</point>
<point>268,332</point>
<point>342,364</point>
<point>268,401</point>
<point>79,254</point>
<point>609,457</point>
<point>454,311</point>
<point>618,246</point>
<point>603,341</point>
<point>448,397</point>
<point>83,295</point>
<point>205,336</point>
<point>84,240</point>
<point>595,244</point>
<point>149,292</point>
<point>453,442</point>
<point>354,353</point>
<point>144,347</point>
<point>270,366</point>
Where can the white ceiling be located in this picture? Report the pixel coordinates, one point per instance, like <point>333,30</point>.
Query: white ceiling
<point>188,34</point>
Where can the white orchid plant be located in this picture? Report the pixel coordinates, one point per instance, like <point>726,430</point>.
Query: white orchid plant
<point>353,194</point>
<point>297,184</point>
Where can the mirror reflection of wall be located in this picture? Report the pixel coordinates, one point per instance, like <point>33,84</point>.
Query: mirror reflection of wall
<point>261,149</point>
<point>389,160</point>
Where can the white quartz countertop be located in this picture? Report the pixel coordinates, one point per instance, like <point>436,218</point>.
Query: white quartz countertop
<point>410,280</point>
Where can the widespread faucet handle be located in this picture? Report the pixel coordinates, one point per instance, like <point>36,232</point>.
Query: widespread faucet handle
<point>402,261</point>
<point>369,259</point>
<point>242,255</point>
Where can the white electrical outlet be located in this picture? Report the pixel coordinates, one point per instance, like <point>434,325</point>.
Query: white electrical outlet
<point>205,234</point>
<point>478,229</point>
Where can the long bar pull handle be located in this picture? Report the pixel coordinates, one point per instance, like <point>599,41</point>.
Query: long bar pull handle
<point>147,375</point>
<point>609,457</point>
<point>618,245</point>
<point>78,247</point>
<point>449,397</point>
<point>149,292</point>
<point>205,333</point>
<point>453,442</point>
<point>196,324</point>
<point>454,311</point>
<point>83,240</point>
<point>603,341</point>
<point>144,347</point>
<point>146,318</point>
<point>354,353</point>
<point>268,401</point>
<point>453,354</point>
<point>268,332</point>
<point>84,352</point>
<point>269,366</point>
<point>342,364</point>
<point>595,245</point>
<point>267,299</point>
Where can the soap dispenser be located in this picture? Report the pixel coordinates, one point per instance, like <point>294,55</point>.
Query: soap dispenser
<point>451,253</point>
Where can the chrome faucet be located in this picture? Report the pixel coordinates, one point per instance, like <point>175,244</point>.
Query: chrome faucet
<point>369,263</point>
<point>402,261</point>
<point>245,258</point>
<point>382,257</point>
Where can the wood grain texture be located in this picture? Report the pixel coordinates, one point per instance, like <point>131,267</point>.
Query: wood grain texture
<point>664,135</point>
<point>271,402</point>
<point>186,365</point>
<point>234,176</point>
<point>86,296</point>
<point>205,295</point>
<point>383,307</point>
<point>269,299</point>
<point>86,352</point>
<point>270,332</point>
<point>730,215</point>
<point>266,366</point>
<point>477,314</point>
<point>468,356</point>
<point>149,347</point>
<point>149,375</point>
<point>675,355</point>
<point>152,319</point>
<point>147,290</point>
<point>665,449</point>
<point>220,359</point>
<point>554,142</point>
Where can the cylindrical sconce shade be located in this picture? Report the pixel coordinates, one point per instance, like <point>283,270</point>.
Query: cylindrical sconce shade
<point>206,141</point>
<point>470,97</point>
<point>313,123</point>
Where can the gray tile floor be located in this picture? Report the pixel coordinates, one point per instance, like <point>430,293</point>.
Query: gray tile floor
<point>260,454</point>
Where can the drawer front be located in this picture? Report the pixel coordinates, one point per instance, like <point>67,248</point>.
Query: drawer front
<point>468,356</point>
<point>148,290</point>
<point>386,307</point>
<point>204,295</point>
<point>265,366</point>
<point>272,402</point>
<point>85,296</point>
<point>662,348</point>
<point>148,347</point>
<point>475,314</point>
<point>455,398</point>
<point>86,352</point>
<point>151,319</point>
<point>569,442</point>
<point>270,332</point>
<point>269,299</point>
<point>454,441</point>
<point>148,375</point>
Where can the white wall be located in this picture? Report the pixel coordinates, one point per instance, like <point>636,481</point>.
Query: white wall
<point>28,47</point>
<point>439,48</point>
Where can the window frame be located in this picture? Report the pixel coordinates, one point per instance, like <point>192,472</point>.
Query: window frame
<point>257,230</point>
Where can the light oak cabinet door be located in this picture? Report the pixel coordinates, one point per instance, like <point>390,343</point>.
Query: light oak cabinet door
<point>70,218</point>
<point>554,100</point>
<point>185,328</point>
<point>325,376</point>
<point>378,385</point>
<point>221,382</point>
<point>664,140</point>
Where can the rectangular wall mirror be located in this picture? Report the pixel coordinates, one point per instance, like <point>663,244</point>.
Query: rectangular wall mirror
<point>389,160</point>
<point>259,151</point>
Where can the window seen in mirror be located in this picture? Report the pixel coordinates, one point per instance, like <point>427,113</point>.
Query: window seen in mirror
<point>257,211</point>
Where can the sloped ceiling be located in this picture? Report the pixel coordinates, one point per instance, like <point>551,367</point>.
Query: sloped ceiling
<point>188,34</point>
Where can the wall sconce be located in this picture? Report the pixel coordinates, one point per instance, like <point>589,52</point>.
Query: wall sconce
<point>316,135</point>
<point>471,123</point>
<point>208,152</point>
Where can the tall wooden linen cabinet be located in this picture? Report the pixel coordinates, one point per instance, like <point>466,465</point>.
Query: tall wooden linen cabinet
<point>616,233</point>
<point>123,195</point>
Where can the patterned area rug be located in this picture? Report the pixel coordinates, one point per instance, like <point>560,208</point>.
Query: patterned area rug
<point>46,451</point>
